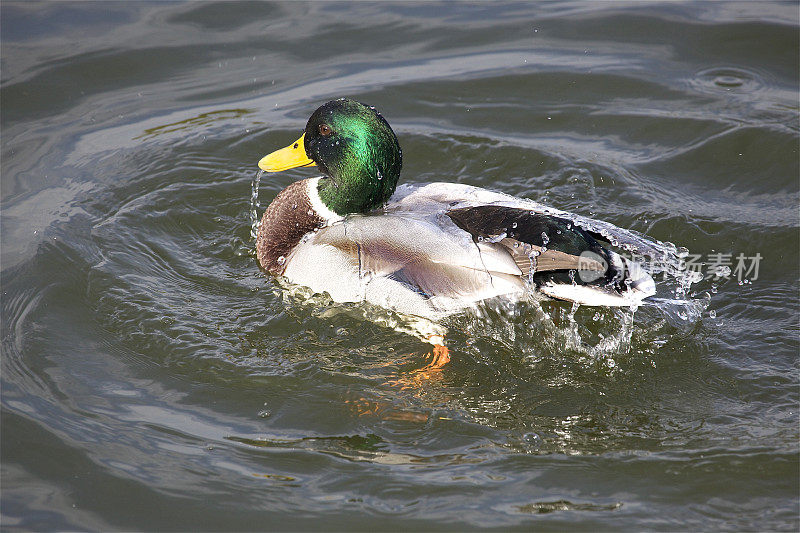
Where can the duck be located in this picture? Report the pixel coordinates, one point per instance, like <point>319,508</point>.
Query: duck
<point>424,251</point>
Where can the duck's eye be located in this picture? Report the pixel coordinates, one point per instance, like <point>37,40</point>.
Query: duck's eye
<point>325,130</point>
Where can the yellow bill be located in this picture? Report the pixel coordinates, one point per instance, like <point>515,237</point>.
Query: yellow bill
<point>292,156</point>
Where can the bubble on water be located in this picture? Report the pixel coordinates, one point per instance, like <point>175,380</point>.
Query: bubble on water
<point>533,439</point>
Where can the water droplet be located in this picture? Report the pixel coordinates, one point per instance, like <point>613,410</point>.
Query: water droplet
<point>722,271</point>
<point>545,238</point>
<point>514,225</point>
<point>497,238</point>
<point>281,260</point>
<point>294,206</point>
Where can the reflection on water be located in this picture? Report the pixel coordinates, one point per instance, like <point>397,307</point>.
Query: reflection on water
<point>193,123</point>
<point>153,378</point>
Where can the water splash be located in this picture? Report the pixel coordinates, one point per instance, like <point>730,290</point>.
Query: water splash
<point>548,334</point>
<point>664,261</point>
<point>255,204</point>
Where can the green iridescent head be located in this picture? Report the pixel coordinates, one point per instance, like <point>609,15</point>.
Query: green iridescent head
<point>356,150</point>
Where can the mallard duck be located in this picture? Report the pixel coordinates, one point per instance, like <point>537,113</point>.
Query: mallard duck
<point>422,250</point>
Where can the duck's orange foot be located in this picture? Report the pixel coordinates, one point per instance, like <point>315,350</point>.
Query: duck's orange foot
<point>441,355</point>
<point>429,373</point>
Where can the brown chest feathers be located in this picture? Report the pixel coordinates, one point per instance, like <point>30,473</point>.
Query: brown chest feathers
<point>284,223</point>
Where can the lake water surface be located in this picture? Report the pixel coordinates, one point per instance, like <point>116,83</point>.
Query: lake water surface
<point>153,378</point>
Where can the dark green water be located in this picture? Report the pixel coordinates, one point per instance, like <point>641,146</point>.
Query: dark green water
<point>154,379</point>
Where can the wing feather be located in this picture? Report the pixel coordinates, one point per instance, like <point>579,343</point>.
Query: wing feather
<point>431,260</point>
<point>441,247</point>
